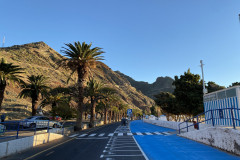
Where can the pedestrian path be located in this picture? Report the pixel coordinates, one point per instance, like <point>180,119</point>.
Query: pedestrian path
<point>122,147</point>
<point>121,134</point>
<point>174,147</point>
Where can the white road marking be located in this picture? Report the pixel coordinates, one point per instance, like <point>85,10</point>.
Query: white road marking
<point>141,149</point>
<point>94,138</point>
<point>102,134</point>
<point>166,133</point>
<point>129,134</point>
<point>91,135</point>
<point>148,133</point>
<point>138,133</point>
<point>120,134</point>
<point>122,155</point>
<point>123,151</point>
<point>82,135</point>
<point>110,134</point>
<point>158,133</point>
<point>74,135</point>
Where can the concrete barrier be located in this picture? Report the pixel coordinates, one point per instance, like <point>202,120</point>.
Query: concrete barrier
<point>227,139</point>
<point>174,125</point>
<point>18,145</point>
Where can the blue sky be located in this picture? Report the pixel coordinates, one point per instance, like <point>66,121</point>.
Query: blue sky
<point>144,39</point>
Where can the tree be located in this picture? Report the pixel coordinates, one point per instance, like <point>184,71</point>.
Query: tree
<point>153,111</point>
<point>56,97</point>
<point>235,84</point>
<point>188,92</point>
<point>35,88</point>
<point>8,73</point>
<point>93,91</point>
<point>212,87</point>
<point>81,58</point>
<point>167,103</point>
<point>107,100</point>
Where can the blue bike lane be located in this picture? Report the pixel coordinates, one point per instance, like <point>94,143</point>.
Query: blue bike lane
<point>173,147</point>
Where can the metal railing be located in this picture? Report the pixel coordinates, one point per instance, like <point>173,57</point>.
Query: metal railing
<point>15,129</point>
<point>222,117</point>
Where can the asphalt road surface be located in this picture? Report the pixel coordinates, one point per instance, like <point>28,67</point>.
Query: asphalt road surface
<point>110,142</point>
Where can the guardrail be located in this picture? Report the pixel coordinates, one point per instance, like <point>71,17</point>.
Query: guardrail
<point>14,129</point>
<point>223,117</point>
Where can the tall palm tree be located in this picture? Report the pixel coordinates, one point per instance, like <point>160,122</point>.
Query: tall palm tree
<point>81,58</point>
<point>93,91</point>
<point>8,73</point>
<point>35,87</point>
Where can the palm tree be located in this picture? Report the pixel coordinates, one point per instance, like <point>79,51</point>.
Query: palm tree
<point>35,87</point>
<point>81,58</point>
<point>107,100</point>
<point>93,90</point>
<point>8,73</point>
<point>55,97</point>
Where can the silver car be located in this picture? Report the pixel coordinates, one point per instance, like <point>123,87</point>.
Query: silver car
<point>39,122</point>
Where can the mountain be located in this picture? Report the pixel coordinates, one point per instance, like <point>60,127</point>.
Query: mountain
<point>39,58</point>
<point>163,84</point>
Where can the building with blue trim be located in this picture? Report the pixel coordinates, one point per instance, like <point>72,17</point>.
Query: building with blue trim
<point>222,107</point>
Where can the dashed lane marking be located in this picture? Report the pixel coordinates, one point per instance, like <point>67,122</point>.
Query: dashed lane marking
<point>138,133</point>
<point>102,134</point>
<point>91,135</point>
<point>74,135</point>
<point>82,135</point>
<point>110,134</point>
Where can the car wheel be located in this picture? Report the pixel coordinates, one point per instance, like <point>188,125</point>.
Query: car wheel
<point>32,125</point>
<point>54,126</point>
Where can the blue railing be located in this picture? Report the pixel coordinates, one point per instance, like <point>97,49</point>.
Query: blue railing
<point>15,129</point>
<point>223,117</point>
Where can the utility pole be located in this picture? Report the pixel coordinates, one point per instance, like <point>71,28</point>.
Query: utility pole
<point>204,89</point>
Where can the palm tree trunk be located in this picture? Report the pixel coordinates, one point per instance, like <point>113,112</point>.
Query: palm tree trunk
<point>110,117</point>
<point>82,75</point>
<point>105,115</point>
<point>34,105</point>
<point>2,89</point>
<point>93,107</point>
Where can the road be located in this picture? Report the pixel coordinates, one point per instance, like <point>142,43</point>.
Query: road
<point>111,141</point>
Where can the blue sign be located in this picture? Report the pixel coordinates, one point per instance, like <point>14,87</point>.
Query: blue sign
<point>129,111</point>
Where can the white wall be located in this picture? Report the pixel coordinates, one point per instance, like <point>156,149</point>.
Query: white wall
<point>224,138</point>
<point>17,145</point>
<point>174,125</point>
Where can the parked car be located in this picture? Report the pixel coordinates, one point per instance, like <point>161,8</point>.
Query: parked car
<point>2,129</point>
<point>57,118</point>
<point>39,122</point>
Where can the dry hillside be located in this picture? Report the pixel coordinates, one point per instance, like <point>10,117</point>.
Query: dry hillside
<point>39,58</point>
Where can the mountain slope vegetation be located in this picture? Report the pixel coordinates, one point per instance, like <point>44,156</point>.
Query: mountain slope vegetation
<point>38,58</point>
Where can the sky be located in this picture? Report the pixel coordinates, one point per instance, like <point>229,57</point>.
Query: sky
<point>143,39</point>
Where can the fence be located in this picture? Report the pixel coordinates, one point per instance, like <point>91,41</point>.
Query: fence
<point>15,129</point>
<point>222,117</point>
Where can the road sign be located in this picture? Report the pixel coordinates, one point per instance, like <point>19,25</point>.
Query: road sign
<point>129,111</point>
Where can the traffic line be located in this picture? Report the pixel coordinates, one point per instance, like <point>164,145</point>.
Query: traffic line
<point>148,133</point>
<point>74,135</point>
<point>129,134</point>
<point>166,133</point>
<point>110,134</point>
<point>94,138</point>
<point>138,133</point>
<point>82,135</point>
<point>158,133</point>
<point>91,135</point>
<point>102,134</point>
<point>120,134</point>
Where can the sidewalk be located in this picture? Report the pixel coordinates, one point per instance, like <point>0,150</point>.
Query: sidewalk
<point>172,147</point>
